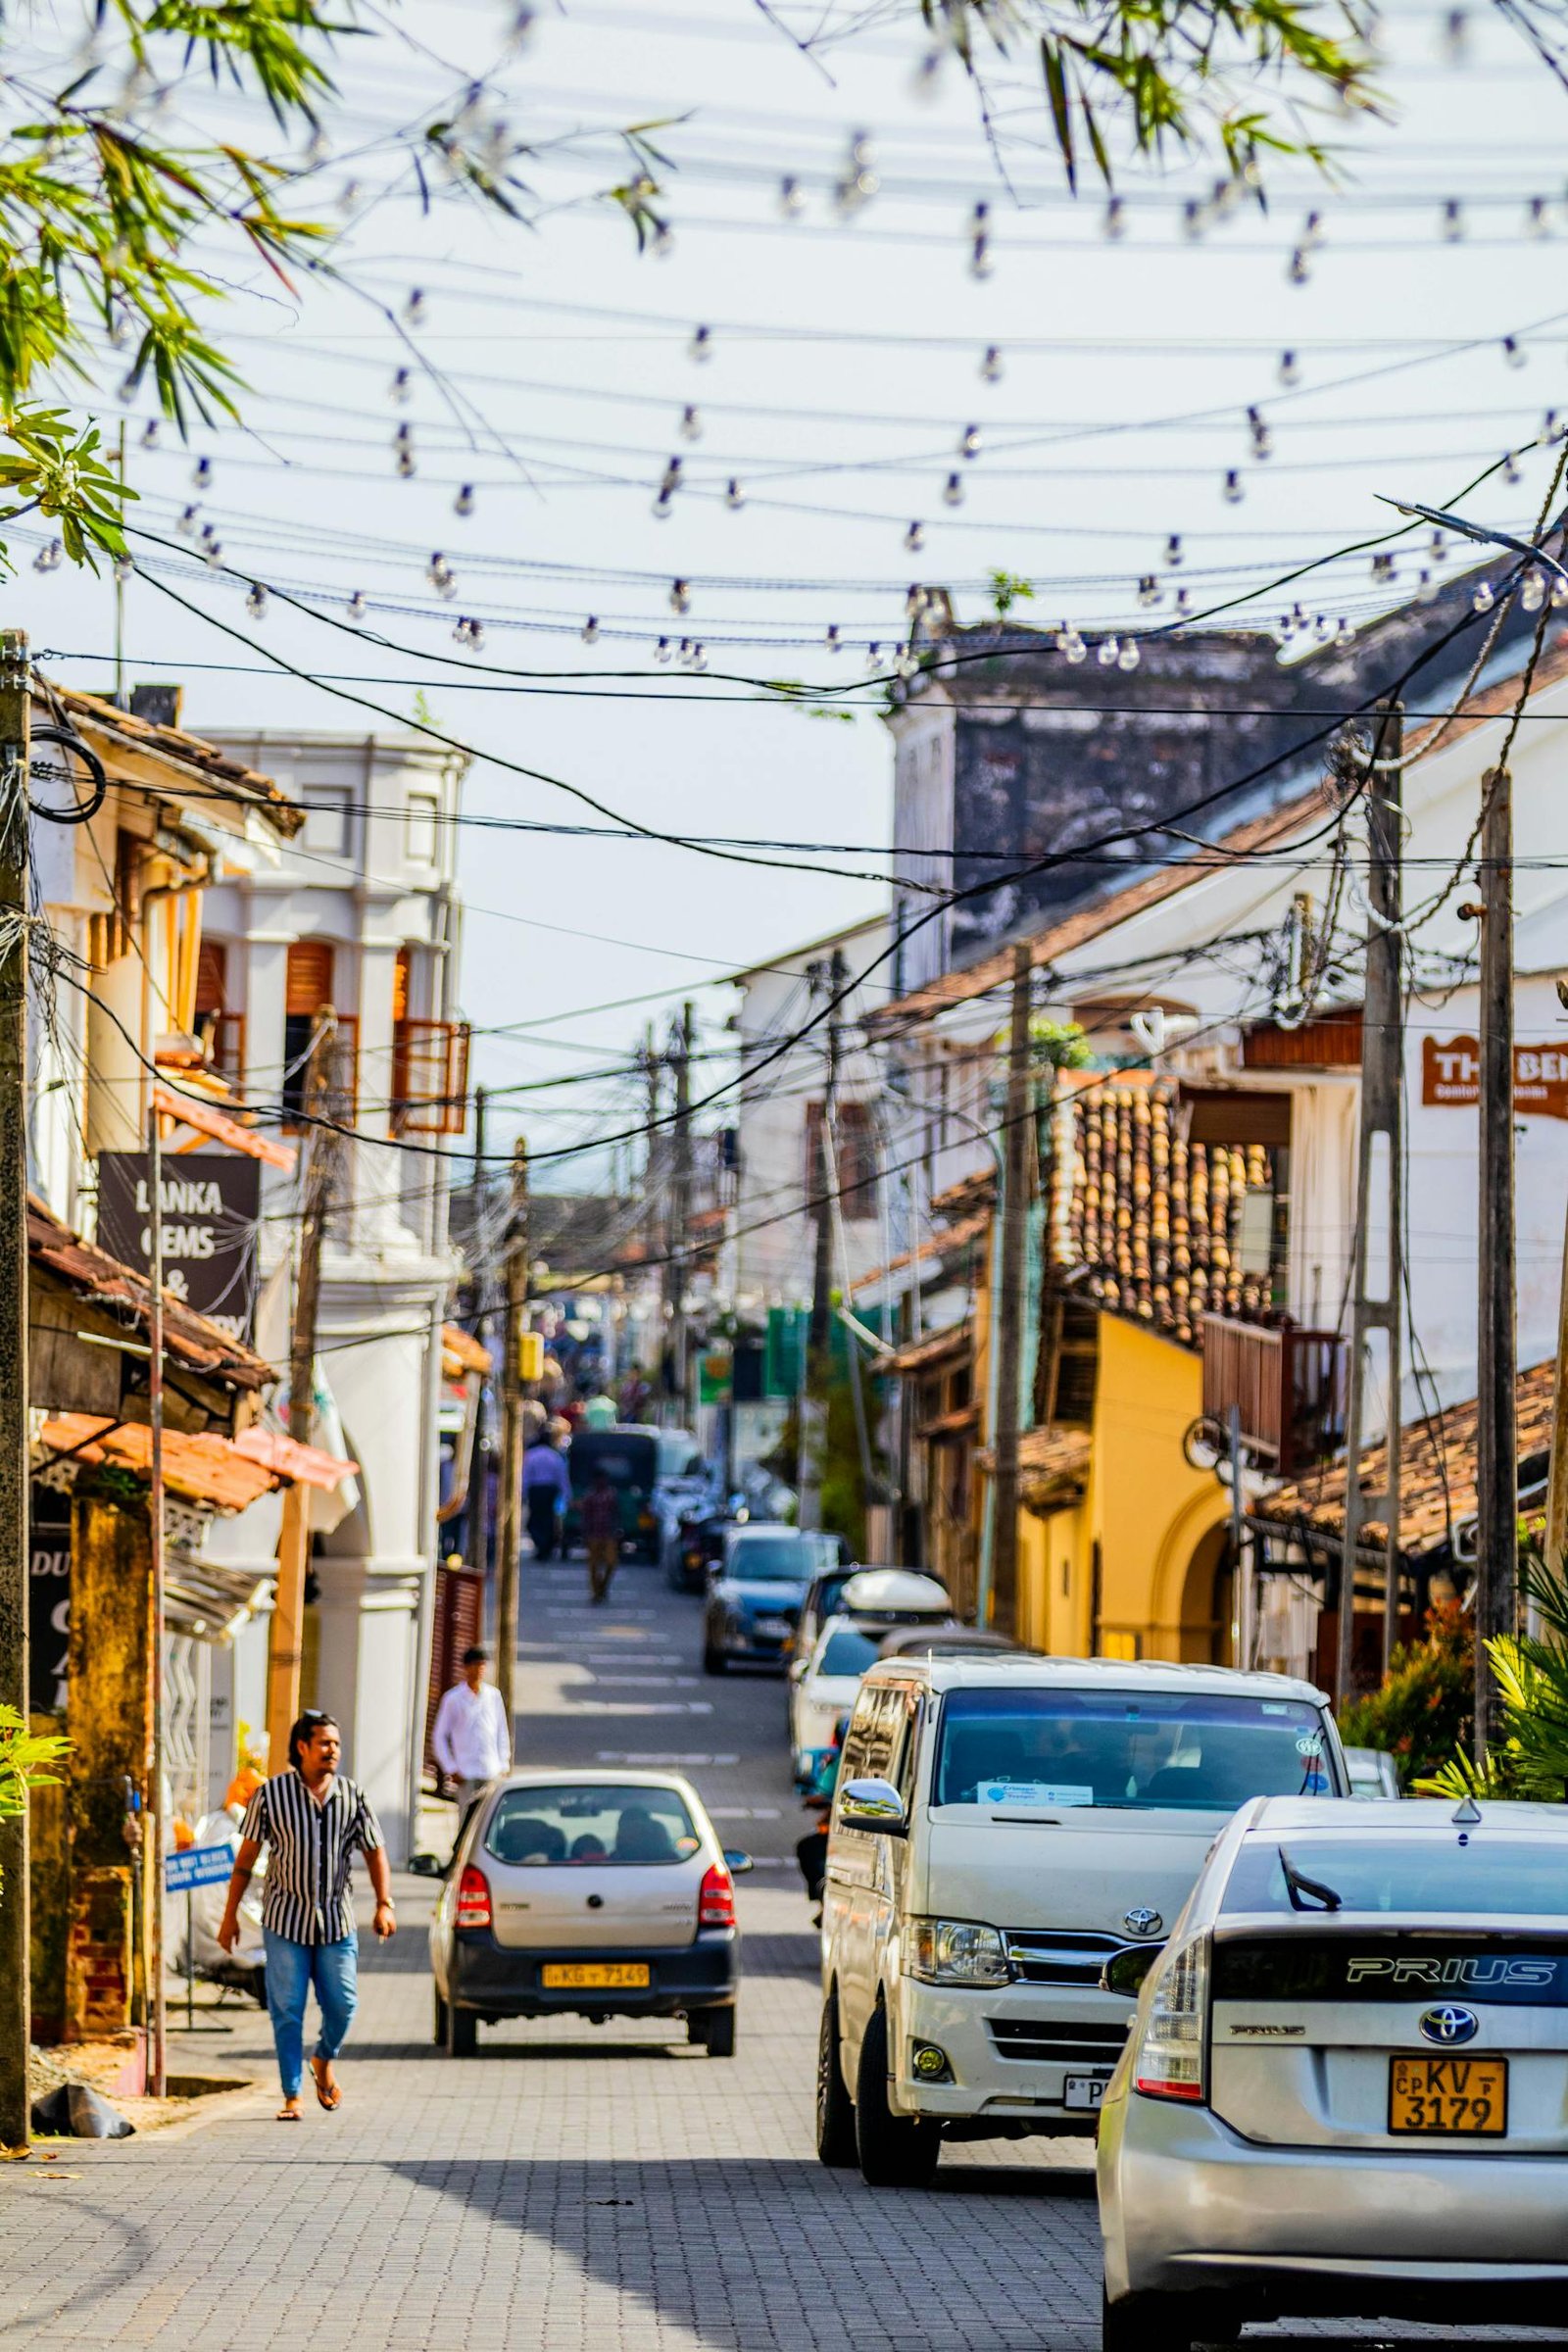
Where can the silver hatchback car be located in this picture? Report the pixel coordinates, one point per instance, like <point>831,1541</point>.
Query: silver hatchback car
<point>1345,2089</point>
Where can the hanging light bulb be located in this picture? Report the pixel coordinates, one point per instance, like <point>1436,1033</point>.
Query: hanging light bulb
<point>953,490</point>
<point>462,504</point>
<point>202,474</point>
<point>1533,595</point>
<point>119,332</point>
<point>590,630</point>
<point>680,595</point>
<point>1537,220</point>
<point>1184,604</point>
<point>1148,590</point>
<point>1513,351</point>
<point>791,202</point>
<point>1484,598</point>
<point>212,553</point>
<point>406,467</point>
<point>1426,588</point>
<point>874,657</point>
<point>348,196</point>
<point>907,665</point>
<point>1560,595</point>
<point>125,569</point>
<point>401,389</point>
<point>858,183</point>
<point>700,346</point>
<point>1550,429</point>
<point>1129,656</point>
<point>1077,651</point>
<point>1511,470</point>
<point>149,433</point>
<point>683,652</point>
<point>460,631</point>
<point>1192,220</point>
<point>914,538</point>
<point>1116,221</point>
<point>698,655</point>
<point>356,606</point>
<point>1322,627</point>
<point>1232,493</point>
<point>1289,367</point>
<point>1263,438</point>
<point>256,600</point>
<point>1312,231</point>
<point>661,244</point>
<point>691,424</point>
<point>913,601</point>
<point>1438,549</point>
<point>49,556</point>
<point>990,370</point>
<point>969,441</point>
<point>437,570</point>
<point>833,641</point>
<point>662,508</point>
<point>1453,220</point>
<point>475,636</point>
<point>1344,634</point>
<point>415,310</point>
<point>187,526</point>
<point>1110,653</point>
<point>1174,551</point>
<point>661,650</point>
<point>734,496</point>
<point>980,241</point>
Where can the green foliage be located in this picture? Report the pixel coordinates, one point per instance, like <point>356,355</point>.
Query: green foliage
<point>1164,78</point>
<point>1531,1760</point>
<point>1425,1708</point>
<point>1056,1045</point>
<point>1007,590</point>
<point>841,1482</point>
<point>24,1758</point>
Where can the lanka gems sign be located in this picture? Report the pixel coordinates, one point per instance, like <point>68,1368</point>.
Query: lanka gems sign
<point>211,1202</point>
<point>1450,1076</point>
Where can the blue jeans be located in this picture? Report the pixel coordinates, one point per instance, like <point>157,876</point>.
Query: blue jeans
<point>291,1970</point>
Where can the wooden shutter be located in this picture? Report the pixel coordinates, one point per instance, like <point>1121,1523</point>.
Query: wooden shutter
<point>310,976</point>
<point>400,986</point>
<point>212,977</point>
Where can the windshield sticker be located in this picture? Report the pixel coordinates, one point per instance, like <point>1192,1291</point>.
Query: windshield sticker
<point>1034,1793</point>
<point>1310,1743</point>
<point>1315,1783</point>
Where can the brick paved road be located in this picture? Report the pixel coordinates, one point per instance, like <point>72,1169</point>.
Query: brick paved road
<point>568,2190</point>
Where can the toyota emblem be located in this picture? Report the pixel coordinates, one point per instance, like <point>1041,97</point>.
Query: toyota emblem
<point>1142,1923</point>
<point>1449,2026</point>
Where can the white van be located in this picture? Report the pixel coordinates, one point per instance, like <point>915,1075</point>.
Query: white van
<point>1001,1828</point>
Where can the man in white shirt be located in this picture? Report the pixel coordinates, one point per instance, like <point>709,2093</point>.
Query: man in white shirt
<point>473,1738</point>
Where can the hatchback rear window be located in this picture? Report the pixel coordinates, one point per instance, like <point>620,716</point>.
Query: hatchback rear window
<point>1175,1752</point>
<point>847,1653</point>
<point>580,1823</point>
<point>1436,1877</point>
<point>775,1559</point>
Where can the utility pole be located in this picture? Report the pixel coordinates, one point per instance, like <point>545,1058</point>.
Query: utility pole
<point>675,1271</point>
<point>821,1183</point>
<point>1496,1404</point>
<point>15,1549</point>
<point>508,1517</point>
<point>319,1175</point>
<point>154,1516</point>
<point>1378,1269</point>
<point>479,1475</point>
<point>1007,1317</point>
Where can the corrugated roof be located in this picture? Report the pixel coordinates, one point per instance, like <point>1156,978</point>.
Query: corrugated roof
<point>1437,1481</point>
<point>189,1339</point>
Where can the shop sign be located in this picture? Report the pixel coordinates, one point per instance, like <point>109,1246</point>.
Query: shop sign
<point>212,1204</point>
<point>1450,1076</point>
<point>48,1598</point>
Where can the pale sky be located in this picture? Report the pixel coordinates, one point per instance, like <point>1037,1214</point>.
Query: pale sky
<point>844,369</point>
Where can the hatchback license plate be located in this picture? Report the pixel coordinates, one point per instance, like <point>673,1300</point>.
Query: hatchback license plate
<point>594,1976</point>
<point>1448,2095</point>
<point>1083,2090</point>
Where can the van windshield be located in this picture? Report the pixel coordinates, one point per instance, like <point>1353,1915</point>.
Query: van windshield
<point>627,1461</point>
<point>1177,1753</point>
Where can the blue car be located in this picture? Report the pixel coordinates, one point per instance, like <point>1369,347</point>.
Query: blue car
<point>755,1597</point>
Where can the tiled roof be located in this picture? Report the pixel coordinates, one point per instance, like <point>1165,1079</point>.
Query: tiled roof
<point>932,1348</point>
<point>113,726</point>
<point>461,1352</point>
<point>1053,1466</point>
<point>1437,1476</point>
<point>947,1247</point>
<point>1142,1220</point>
<point>189,1339</point>
<point>978,1190</point>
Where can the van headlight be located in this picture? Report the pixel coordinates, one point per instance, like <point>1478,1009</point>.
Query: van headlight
<point>956,1951</point>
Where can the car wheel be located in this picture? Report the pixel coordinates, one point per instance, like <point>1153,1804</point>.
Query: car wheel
<point>835,2109</point>
<point>713,1660</point>
<point>895,2151</point>
<point>720,2034</point>
<point>697,2029</point>
<point>1176,2323</point>
<point>463,2032</point>
<point>439,2037</point>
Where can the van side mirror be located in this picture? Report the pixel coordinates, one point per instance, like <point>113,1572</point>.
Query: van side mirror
<point>874,1805</point>
<point>1124,1972</point>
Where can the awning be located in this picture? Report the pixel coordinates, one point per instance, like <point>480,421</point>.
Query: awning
<point>225,1474</point>
<point>301,1465</point>
<point>460,1353</point>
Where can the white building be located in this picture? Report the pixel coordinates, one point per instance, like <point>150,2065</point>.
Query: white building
<point>360,914</point>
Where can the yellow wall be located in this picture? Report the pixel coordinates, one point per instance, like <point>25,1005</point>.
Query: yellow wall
<point>1159,1525</point>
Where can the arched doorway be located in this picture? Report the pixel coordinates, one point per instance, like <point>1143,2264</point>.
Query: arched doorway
<point>1205,1602</point>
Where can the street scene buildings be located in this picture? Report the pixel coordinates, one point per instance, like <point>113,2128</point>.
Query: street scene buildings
<point>784,1139</point>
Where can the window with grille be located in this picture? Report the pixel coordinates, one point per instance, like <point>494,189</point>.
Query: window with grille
<point>429,1077</point>
<point>308,987</point>
<point>221,1031</point>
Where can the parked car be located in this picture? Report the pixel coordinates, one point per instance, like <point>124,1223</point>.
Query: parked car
<point>823,1694</point>
<point>1001,1828</point>
<point>755,1596</point>
<point>888,1597</point>
<point>604,1894</point>
<point>1373,1772</point>
<point>946,1637</point>
<point>1344,2087</point>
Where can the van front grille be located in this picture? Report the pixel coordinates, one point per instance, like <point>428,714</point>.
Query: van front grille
<point>1061,1956</point>
<point>1047,2040</point>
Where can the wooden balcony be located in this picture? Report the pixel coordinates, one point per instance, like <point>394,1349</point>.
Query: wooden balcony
<point>1286,1382</point>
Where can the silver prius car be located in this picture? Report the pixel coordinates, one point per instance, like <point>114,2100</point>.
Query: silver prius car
<point>1345,2089</point>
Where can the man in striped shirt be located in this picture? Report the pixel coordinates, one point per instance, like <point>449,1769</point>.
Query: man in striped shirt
<point>310,1819</point>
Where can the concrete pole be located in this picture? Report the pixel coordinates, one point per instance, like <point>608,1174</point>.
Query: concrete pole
<point>1496,1403</point>
<point>1008,1308</point>
<point>15,1925</point>
<point>508,1516</point>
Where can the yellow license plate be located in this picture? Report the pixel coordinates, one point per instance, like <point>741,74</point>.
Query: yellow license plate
<point>1448,2095</point>
<point>594,1976</point>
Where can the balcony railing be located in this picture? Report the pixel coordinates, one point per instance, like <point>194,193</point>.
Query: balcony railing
<point>1286,1382</point>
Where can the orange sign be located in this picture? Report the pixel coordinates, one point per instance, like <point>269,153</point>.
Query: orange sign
<point>1450,1075</point>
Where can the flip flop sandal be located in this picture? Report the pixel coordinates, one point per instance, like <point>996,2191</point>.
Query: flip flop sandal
<point>329,2097</point>
<point>288,2115</point>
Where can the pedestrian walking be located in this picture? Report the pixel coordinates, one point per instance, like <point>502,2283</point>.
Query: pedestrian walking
<point>471,1739</point>
<point>546,1491</point>
<point>599,1412</point>
<point>310,1818</point>
<point>601,1528</point>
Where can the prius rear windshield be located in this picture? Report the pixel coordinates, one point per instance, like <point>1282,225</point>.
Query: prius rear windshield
<point>586,1824</point>
<point>1438,1876</point>
<point>1177,1753</point>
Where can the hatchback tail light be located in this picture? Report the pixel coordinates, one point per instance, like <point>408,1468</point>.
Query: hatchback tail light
<point>474,1908</point>
<point>715,1904</point>
<point>1173,2044</point>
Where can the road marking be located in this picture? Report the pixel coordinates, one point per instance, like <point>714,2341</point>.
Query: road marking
<point>745,1813</point>
<point>618,1657</point>
<point>640,1706</point>
<point>653,1682</point>
<point>621,1756</point>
